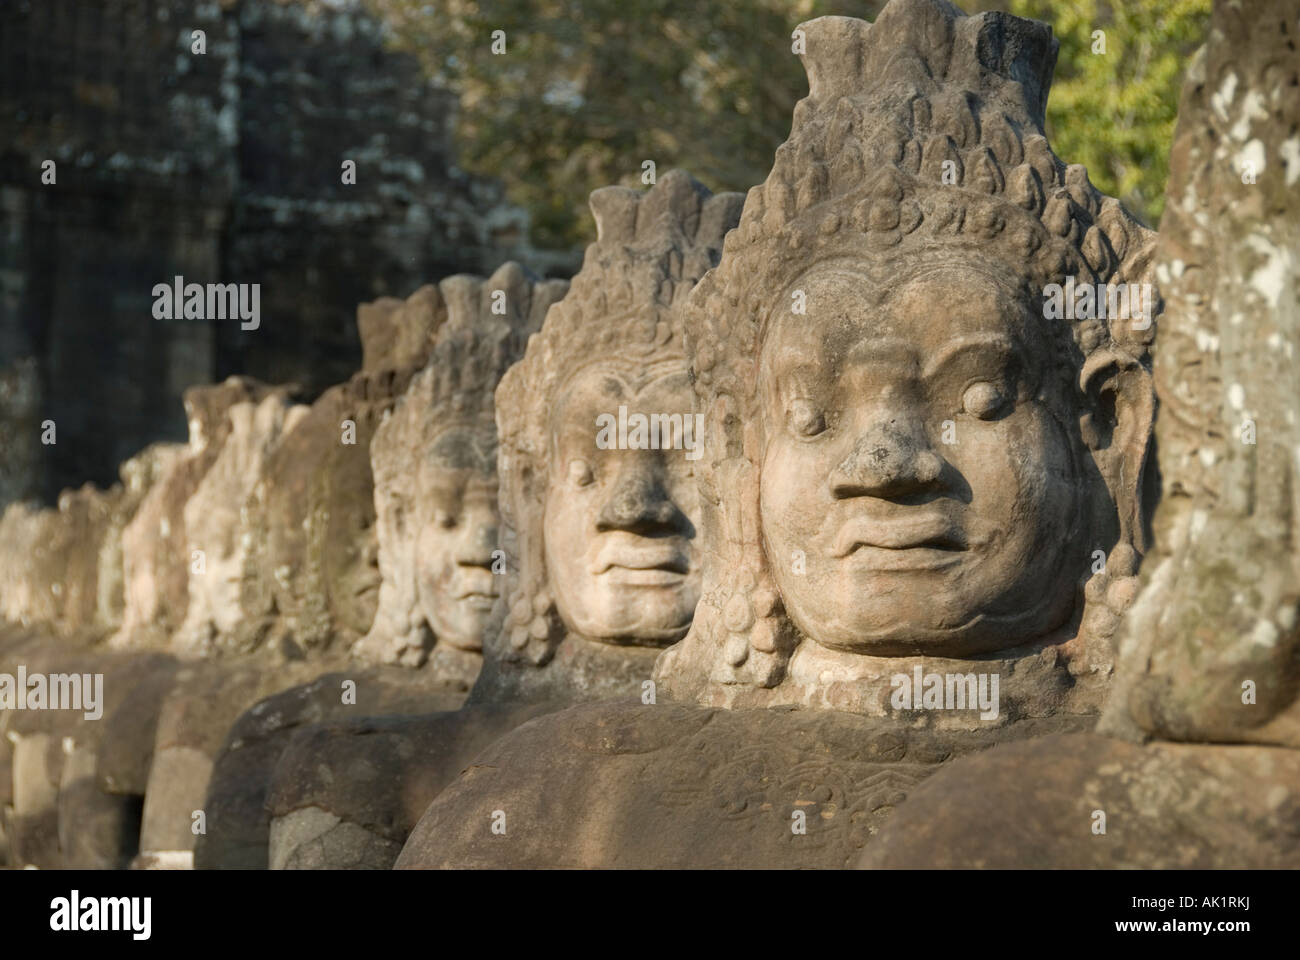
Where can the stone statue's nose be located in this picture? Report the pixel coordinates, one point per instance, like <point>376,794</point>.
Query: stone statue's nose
<point>638,504</point>
<point>476,549</point>
<point>892,458</point>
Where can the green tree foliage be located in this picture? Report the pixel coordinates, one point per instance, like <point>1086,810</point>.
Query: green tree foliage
<point>588,90</point>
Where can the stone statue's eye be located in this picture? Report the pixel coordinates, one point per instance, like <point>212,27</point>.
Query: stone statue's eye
<point>445,519</point>
<point>580,473</point>
<point>982,400</point>
<point>805,418</point>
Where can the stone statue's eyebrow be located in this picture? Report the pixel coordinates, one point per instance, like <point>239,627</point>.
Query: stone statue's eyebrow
<point>998,343</point>
<point>460,453</point>
<point>883,350</point>
<point>443,495</point>
<point>443,479</point>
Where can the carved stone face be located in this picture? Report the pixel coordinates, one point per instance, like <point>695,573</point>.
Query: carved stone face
<point>224,571</point>
<point>619,524</point>
<point>455,585</point>
<point>351,553</point>
<point>918,494</point>
<point>212,521</point>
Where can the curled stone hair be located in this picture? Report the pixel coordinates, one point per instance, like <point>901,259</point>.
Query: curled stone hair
<point>622,309</point>
<point>892,108</point>
<point>453,393</point>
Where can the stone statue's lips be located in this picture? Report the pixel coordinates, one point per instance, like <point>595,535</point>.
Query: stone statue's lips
<point>640,560</point>
<point>477,586</point>
<point>934,536</point>
<point>367,584</point>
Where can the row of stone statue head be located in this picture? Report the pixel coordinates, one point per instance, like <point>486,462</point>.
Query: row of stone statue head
<point>765,448</point>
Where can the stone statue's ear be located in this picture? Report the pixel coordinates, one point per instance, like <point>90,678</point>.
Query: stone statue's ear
<point>1117,429</point>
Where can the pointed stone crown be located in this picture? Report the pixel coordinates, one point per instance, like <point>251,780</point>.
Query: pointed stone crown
<point>921,134</point>
<point>473,348</point>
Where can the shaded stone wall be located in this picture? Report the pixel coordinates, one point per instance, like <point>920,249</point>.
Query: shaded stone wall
<point>220,167</point>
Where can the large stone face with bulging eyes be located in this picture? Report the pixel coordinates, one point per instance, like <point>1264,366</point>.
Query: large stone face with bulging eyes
<point>920,491</point>
<point>620,524</point>
<point>909,452</point>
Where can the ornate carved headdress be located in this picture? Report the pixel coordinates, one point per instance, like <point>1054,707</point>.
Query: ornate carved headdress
<point>651,249</point>
<point>921,139</point>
